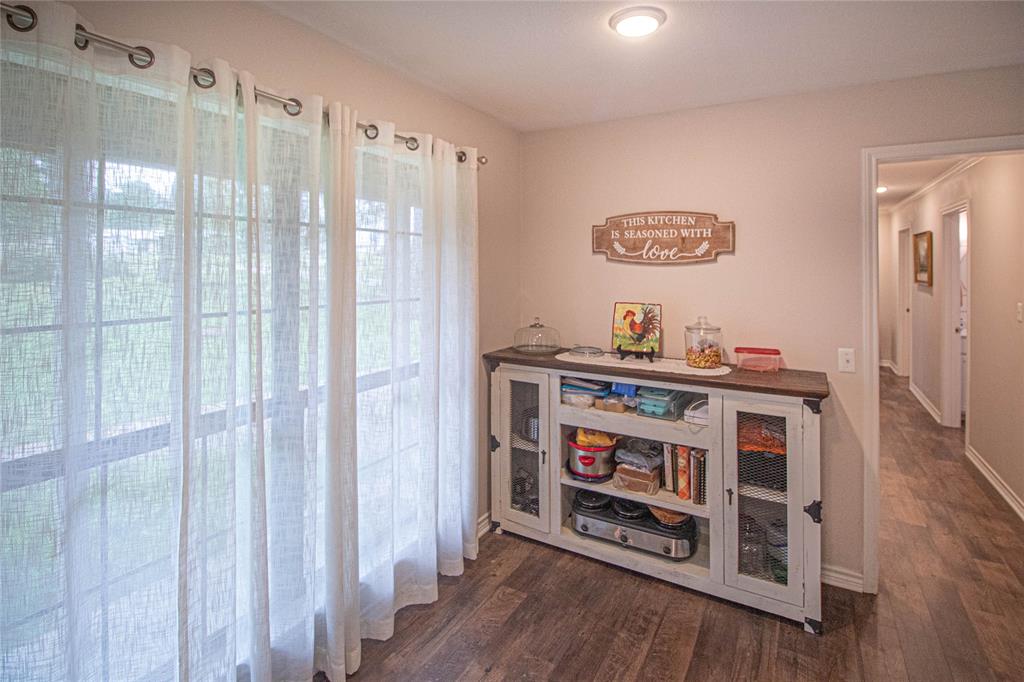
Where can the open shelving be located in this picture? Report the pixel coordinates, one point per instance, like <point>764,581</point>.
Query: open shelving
<point>629,423</point>
<point>663,498</point>
<point>697,566</point>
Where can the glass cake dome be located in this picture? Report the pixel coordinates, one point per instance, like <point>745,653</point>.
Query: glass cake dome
<point>537,338</point>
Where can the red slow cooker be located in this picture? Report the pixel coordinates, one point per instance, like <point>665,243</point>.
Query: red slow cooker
<point>590,462</point>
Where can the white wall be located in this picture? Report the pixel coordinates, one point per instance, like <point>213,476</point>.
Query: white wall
<point>995,189</point>
<point>290,58</point>
<point>788,171</point>
<point>888,251</point>
<point>996,356</point>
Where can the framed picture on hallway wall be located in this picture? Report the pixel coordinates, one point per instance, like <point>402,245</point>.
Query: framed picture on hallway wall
<point>923,258</point>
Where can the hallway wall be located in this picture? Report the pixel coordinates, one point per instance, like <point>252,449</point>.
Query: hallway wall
<point>995,188</point>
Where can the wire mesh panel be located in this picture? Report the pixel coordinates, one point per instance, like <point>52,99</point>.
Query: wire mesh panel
<point>524,481</point>
<point>763,496</point>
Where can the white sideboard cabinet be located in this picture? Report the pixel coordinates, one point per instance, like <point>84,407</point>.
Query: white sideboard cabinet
<point>759,527</point>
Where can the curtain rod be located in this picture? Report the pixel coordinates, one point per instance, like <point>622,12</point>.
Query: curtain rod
<point>142,57</point>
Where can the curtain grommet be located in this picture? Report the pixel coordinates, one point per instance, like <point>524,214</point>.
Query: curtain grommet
<point>371,131</point>
<point>204,78</point>
<point>81,42</point>
<point>461,156</point>
<point>134,58</point>
<point>32,21</point>
<point>412,144</point>
<point>293,107</point>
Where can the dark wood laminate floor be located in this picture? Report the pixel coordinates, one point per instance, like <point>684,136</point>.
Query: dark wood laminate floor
<point>951,604</point>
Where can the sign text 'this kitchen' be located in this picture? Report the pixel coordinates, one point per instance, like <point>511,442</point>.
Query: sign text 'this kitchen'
<point>664,237</point>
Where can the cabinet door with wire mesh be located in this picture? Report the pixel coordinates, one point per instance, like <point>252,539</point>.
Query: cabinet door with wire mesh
<point>523,448</point>
<point>763,523</point>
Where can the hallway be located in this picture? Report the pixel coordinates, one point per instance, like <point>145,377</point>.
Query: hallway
<point>951,551</point>
<point>951,605</point>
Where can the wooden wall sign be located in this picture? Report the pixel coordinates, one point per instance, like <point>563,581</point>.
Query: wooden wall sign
<point>664,237</point>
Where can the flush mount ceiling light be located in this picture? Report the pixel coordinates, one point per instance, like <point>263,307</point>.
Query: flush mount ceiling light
<point>636,22</point>
<point>881,189</point>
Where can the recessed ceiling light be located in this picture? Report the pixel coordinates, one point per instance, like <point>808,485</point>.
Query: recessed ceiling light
<point>881,189</point>
<point>636,22</point>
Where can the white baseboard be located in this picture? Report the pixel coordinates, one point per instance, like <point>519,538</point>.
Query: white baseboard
<point>927,404</point>
<point>1012,498</point>
<point>841,577</point>
<point>483,525</point>
<point>888,364</point>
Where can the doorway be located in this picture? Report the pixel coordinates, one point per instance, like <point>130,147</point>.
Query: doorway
<point>870,160</point>
<point>956,256</point>
<point>903,283</point>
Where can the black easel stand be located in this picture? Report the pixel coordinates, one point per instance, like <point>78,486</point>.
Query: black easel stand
<point>639,355</point>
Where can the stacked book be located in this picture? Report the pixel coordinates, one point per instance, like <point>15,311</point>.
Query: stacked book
<point>686,472</point>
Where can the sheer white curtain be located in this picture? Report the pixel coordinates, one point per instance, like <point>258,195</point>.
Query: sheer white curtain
<point>417,369</point>
<point>237,395</point>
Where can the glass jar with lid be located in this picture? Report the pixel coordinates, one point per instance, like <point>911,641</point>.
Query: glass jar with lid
<point>537,338</point>
<point>703,344</point>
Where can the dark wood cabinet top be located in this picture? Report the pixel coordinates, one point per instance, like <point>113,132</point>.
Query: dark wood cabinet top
<point>790,382</point>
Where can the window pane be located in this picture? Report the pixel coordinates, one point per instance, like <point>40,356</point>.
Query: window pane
<point>136,377</point>
<point>373,343</point>
<point>138,264</point>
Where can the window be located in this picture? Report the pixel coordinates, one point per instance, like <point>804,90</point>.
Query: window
<point>106,246</point>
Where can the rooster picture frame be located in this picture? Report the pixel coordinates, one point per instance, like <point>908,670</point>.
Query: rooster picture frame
<point>636,327</point>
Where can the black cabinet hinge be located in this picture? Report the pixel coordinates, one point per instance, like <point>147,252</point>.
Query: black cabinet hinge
<point>814,511</point>
<point>814,625</point>
<point>813,405</point>
<point>494,443</point>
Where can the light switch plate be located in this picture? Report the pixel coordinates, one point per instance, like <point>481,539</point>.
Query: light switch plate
<point>846,360</point>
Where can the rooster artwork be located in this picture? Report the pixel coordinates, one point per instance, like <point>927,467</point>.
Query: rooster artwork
<point>636,327</point>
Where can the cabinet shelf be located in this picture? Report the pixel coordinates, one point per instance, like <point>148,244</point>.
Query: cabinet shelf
<point>631,424</point>
<point>663,498</point>
<point>696,566</point>
<point>761,493</point>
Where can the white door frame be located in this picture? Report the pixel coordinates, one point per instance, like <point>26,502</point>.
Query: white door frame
<point>870,158</point>
<point>904,300</point>
<point>952,373</point>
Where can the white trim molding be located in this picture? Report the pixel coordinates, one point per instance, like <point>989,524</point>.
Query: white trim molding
<point>837,576</point>
<point>870,158</point>
<point>993,477</point>
<point>889,365</point>
<point>483,525</point>
<point>925,403</point>
<point>936,181</point>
